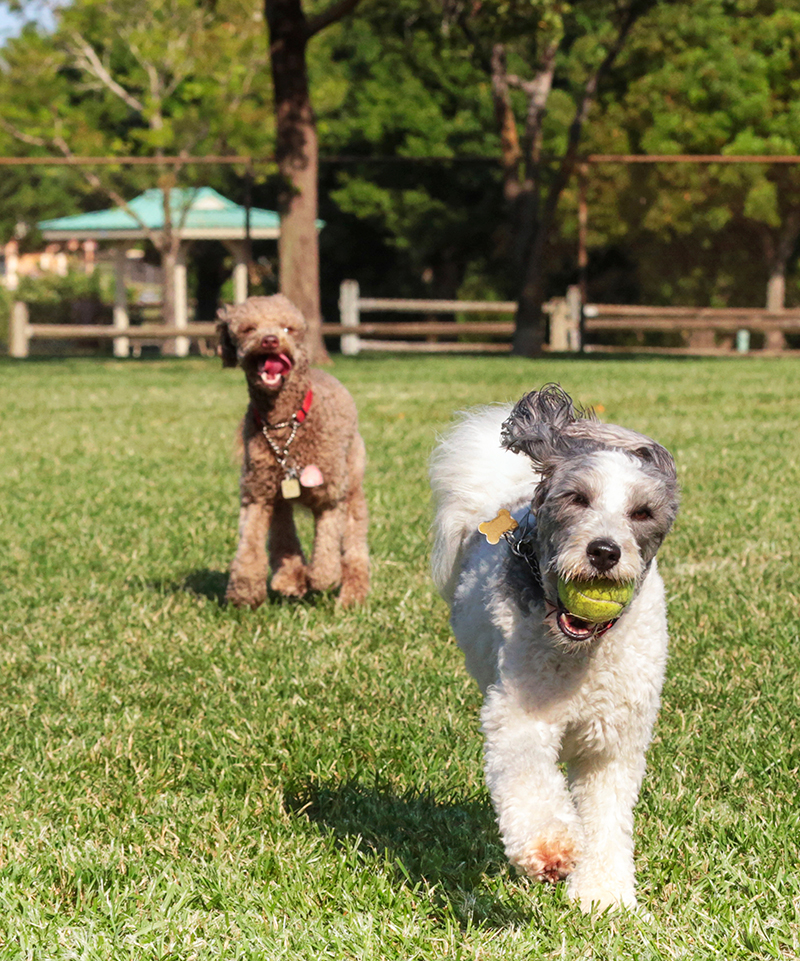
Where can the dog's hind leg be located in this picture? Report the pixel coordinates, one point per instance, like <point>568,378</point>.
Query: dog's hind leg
<point>355,551</point>
<point>247,585</point>
<point>286,559</point>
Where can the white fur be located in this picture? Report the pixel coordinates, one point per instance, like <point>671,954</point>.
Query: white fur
<point>590,707</point>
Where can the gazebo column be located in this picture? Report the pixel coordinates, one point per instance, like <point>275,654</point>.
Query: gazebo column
<point>181,300</point>
<point>122,345</point>
<point>240,280</point>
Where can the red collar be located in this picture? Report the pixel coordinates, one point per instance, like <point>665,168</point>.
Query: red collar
<point>299,415</point>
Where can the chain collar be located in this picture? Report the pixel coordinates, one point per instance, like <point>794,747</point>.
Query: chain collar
<point>282,453</point>
<point>521,542</point>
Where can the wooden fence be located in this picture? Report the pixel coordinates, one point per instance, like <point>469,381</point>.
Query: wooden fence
<point>21,332</point>
<point>707,331</point>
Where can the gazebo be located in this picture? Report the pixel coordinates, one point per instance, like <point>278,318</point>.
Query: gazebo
<point>199,213</point>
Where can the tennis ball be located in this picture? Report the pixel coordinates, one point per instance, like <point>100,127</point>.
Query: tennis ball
<point>597,600</point>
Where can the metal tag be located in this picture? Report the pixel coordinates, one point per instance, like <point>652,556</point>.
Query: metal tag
<point>290,488</point>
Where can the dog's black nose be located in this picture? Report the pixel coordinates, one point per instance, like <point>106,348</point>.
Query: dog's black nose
<point>603,554</point>
<point>270,343</point>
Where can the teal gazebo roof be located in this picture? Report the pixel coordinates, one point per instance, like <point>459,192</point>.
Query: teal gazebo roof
<point>197,214</point>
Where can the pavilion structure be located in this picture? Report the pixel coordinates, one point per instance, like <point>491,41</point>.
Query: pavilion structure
<point>197,214</point>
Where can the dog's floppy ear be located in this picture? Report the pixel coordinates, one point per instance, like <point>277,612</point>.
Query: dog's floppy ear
<point>227,346</point>
<point>659,457</point>
<point>538,425</point>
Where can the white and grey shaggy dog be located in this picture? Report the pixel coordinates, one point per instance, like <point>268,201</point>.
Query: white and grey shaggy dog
<point>592,500</point>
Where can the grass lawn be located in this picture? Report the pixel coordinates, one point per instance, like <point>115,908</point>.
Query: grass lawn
<point>186,781</point>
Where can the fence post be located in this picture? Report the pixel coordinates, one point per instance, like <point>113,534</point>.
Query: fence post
<point>559,324</point>
<point>575,308</point>
<point>19,334</point>
<point>122,345</point>
<point>349,316</point>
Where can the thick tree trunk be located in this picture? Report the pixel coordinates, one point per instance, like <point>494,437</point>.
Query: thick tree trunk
<point>297,155</point>
<point>529,331</point>
<point>778,251</point>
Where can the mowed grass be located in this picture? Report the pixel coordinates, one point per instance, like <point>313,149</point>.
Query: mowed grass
<point>182,780</point>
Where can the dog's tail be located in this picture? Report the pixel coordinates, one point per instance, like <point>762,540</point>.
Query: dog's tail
<point>472,477</point>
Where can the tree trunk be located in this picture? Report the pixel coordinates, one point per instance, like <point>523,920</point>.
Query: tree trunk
<point>529,331</point>
<point>778,251</point>
<point>168,261</point>
<point>297,155</point>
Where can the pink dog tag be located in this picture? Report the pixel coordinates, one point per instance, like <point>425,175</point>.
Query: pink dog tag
<point>311,476</point>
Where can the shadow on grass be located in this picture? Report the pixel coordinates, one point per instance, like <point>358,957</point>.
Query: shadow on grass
<point>449,846</point>
<point>208,583</point>
<point>213,585</point>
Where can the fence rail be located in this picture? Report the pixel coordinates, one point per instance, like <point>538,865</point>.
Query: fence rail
<point>703,327</point>
<point>568,325</point>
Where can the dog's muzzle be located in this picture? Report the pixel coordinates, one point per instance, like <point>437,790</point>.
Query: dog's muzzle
<point>273,368</point>
<point>578,629</point>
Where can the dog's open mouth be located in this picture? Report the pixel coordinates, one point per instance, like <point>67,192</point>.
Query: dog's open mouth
<point>578,629</point>
<point>273,368</point>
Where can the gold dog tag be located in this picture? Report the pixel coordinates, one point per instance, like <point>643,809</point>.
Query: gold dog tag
<point>494,530</point>
<point>290,488</point>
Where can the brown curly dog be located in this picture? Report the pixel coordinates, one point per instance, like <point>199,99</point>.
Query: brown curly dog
<point>301,446</point>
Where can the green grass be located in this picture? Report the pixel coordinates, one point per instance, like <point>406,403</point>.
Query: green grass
<point>182,780</point>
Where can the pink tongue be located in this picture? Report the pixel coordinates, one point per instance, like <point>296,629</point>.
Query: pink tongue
<point>274,366</point>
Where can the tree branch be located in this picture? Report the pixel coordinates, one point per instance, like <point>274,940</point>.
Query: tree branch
<point>636,9</point>
<point>87,57</point>
<point>337,10</point>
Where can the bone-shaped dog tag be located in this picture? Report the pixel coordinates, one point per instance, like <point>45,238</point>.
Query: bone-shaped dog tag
<point>493,530</point>
<point>290,487</point>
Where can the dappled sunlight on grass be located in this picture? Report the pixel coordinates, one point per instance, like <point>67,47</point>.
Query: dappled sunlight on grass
<point>182,779</point>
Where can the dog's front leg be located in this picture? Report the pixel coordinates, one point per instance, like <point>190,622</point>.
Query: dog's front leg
<point>285,553</point>
<point>538,822</point>
<point>247,585</point>
<point>325,568</point>
<point>605,789</point>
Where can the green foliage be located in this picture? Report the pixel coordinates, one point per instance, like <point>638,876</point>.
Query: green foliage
<point>182,780</point>
<point>701,80</point>
<point>406,89</point>
<point>130,78</point>
<point>53,289</point>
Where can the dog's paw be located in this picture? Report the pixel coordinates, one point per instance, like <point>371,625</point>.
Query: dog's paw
<point>596,891</point>
<point>321,579</point>
<point>291,580</point>
<point>549,857</point>
<point>355,584</point>
<point>245,595</point>
<point>597,900</point>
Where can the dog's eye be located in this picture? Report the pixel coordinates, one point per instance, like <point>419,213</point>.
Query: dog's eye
<point>287,330</point>
<point>577,499</point>
<point>641,514</point>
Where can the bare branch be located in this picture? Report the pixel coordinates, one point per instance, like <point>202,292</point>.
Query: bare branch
<point>506,122</point>
<point>24,137</point>
<point>87,57</point>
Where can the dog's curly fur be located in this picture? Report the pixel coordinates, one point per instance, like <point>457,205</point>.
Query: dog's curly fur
<point>265,336</point>
<point>593,500</point>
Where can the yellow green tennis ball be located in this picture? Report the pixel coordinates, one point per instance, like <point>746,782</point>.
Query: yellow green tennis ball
<point>597,600</point>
